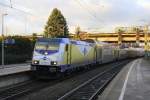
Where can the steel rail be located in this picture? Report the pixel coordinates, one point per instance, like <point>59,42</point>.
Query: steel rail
<point>91,88</point>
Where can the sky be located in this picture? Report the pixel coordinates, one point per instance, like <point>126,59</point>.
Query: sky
<point>30,16</point>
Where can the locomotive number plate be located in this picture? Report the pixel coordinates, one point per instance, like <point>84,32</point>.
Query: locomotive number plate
<point>44,62</point>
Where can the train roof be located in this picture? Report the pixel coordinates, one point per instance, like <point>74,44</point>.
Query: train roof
<point>56,40</point>
<point>77,42</point>
<point>63,40</point>
<point>89,40</point>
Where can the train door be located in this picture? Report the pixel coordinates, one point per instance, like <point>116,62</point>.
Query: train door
<point>68,52</point>
<point>95,54</point>
<point>99,54</point>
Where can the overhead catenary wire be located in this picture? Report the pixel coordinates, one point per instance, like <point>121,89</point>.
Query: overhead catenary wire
<point>90,12</point>
<point>20,10</point>
<point>11,4</point>
<point>12,7</point>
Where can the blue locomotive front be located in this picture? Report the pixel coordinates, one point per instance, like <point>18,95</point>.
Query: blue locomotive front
<point>48,55</point>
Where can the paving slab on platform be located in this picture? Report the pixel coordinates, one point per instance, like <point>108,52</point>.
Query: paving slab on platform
<point>132,83</point>
<point>14,68</point>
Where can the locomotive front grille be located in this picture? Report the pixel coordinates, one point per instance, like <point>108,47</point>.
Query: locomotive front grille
<point>42,68</point>
<point>47,68</point>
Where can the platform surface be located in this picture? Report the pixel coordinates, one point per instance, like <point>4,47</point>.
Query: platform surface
<point>132,83</point>
<point>14,68</point>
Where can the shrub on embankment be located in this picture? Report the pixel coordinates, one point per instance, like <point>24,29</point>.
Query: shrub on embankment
<point>20,51</point>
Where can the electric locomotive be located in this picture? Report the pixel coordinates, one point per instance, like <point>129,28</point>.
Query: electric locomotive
<point>55,56</point>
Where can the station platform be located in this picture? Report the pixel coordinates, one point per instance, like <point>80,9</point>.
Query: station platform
<point>132,83</point>
<point>14,68</point>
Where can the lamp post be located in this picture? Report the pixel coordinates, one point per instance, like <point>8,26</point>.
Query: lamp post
<point>3,39</point>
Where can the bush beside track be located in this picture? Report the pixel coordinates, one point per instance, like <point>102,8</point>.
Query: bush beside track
<point>19,52</point>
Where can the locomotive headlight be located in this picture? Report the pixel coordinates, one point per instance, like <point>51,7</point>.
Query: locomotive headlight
<point>53,62</point>
<point>46,53</point>
<point>36,62</point>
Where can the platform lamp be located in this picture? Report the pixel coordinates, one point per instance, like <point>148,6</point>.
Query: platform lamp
<point>3,15</point>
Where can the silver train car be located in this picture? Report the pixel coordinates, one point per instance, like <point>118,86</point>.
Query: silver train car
<point>60,55</point>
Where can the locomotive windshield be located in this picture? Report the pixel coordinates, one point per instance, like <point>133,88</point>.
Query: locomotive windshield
<point>46,46</point>
<point>39,46</point>
<point>53,47</point>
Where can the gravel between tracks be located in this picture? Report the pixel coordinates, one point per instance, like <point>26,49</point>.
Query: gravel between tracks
<point>59,89</point>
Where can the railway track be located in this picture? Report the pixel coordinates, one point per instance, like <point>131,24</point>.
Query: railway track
<point>10,93</point>
<point>91,88</point>
<point>26,88</point>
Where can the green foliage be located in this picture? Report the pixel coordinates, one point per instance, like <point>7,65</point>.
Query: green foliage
<point>77,31</point>
<point>22,46</point>
<point>56,25</point>
<point>19,52</point>
<point>34,36</point>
